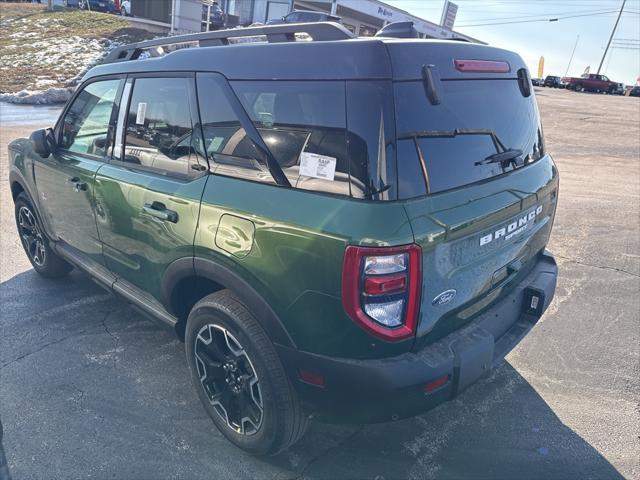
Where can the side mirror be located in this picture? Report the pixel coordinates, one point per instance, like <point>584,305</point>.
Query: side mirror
<point>42,142</point>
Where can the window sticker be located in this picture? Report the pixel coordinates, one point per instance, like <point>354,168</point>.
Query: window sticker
<point>142,111</point>
<point>317,166</point>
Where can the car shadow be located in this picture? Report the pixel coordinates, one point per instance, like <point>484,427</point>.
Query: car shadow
<point>90,387</point>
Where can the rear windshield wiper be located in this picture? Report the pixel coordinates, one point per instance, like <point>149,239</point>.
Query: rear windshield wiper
<point>506,158</point>
<point>454,133</point>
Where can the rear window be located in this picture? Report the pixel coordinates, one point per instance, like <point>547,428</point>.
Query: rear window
<point>445,146</point>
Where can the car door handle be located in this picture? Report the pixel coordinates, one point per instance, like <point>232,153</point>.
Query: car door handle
<point>77,184</point>
<point>158,210</point>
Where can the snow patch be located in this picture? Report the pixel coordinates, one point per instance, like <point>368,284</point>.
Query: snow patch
<point>39,97</point>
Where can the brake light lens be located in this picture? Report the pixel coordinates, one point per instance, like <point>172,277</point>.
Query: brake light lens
<point>379,285</point>
<point>482,66</point>
<point>381,289</point>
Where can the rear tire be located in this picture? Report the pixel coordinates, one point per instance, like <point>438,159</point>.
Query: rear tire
<point>34,241</point>
<point>239,377</point>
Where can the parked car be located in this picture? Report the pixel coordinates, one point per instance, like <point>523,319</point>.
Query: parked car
<point>217,17</point>
<point>552,81</point>
<point>298,16</point>
<point>635,92</point>
<point>537,82</point>
<point>309,271</point>
<point>109,6</point>
<point>591,82</point>
<point>620,89</point>
<point>125,8</point>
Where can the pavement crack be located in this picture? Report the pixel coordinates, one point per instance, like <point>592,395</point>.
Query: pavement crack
<point>42,347</point>
<point>116,339</point>
<point>328,451</point>
<point>604,267</point>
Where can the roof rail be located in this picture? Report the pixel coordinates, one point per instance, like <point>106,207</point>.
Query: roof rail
<point>398,30</point>
<point>318,31</point>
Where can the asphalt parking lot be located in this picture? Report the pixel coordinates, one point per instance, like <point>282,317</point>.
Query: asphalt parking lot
<point>91,389</point>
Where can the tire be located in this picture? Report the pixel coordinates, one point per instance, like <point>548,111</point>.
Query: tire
<point>34,241</point>
<point>220,331</point>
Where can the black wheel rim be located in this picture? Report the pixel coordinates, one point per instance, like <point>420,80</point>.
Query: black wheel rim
<point>229,379</point>
<point>31,236</point>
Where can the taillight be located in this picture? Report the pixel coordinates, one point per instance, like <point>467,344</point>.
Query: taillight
<point>381,289</point>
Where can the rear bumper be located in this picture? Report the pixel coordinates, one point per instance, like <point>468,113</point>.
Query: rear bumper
<point>368,391</point>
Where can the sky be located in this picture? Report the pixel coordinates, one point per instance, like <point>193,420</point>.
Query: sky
<point>553,40</point>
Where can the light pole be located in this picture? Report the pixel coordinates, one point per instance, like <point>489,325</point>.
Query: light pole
<point>612,34</point>
<point>571,58</point>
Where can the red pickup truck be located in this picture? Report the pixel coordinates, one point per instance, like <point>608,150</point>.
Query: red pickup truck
<point>591,82</point>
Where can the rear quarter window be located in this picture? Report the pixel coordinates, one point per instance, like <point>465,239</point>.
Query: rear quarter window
<point>304,124</point>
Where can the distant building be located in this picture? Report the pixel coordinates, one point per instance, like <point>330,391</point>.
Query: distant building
<point>362,17</point>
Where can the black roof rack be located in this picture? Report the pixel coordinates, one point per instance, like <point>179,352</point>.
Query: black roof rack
<point>318,31</point>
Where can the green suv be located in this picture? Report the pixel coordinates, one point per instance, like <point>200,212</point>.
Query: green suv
<point>350,230</point>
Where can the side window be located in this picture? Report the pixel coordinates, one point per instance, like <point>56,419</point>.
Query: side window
<point>606,79</point>
<point>293,17</point>
<point>87,124</point>
<point>304,126</point>
<point>159,133</point>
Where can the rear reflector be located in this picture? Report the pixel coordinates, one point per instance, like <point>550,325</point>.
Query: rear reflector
<point>436,384</point>
<point>482,66</point>
<point>311,378</point>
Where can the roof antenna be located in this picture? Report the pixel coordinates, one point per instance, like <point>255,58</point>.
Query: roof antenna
<point>398,30</point>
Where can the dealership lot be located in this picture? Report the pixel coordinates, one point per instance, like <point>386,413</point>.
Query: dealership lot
<point>89,388</point>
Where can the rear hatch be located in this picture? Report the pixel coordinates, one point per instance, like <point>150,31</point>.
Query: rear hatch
<point>481,188</point>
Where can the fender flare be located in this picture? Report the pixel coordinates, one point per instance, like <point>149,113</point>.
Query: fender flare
<point>186,267</point>
<point>16,177</point>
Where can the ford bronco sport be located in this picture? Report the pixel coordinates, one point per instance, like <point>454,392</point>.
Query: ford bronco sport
<point>347,229</point>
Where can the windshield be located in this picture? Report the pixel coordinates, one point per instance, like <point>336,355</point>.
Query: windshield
<point>455,143</point>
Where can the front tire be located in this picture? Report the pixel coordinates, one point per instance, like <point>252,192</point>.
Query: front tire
<point>239,377</point>
<point>34,241</point>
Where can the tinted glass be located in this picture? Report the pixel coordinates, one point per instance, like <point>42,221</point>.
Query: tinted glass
<point>494,117</point>
<point>304,125</point>
<point>159,127</point>
<point>230,150</point>
<point>371,138</point>
<point>85,128</point>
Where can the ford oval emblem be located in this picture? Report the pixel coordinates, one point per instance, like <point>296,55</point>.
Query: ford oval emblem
<point>444,297</point>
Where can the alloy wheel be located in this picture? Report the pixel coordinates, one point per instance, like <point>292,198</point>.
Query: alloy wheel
<point>31,236</point>
<point>229,379</point>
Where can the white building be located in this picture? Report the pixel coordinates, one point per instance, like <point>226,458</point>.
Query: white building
<point>362,17</point>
